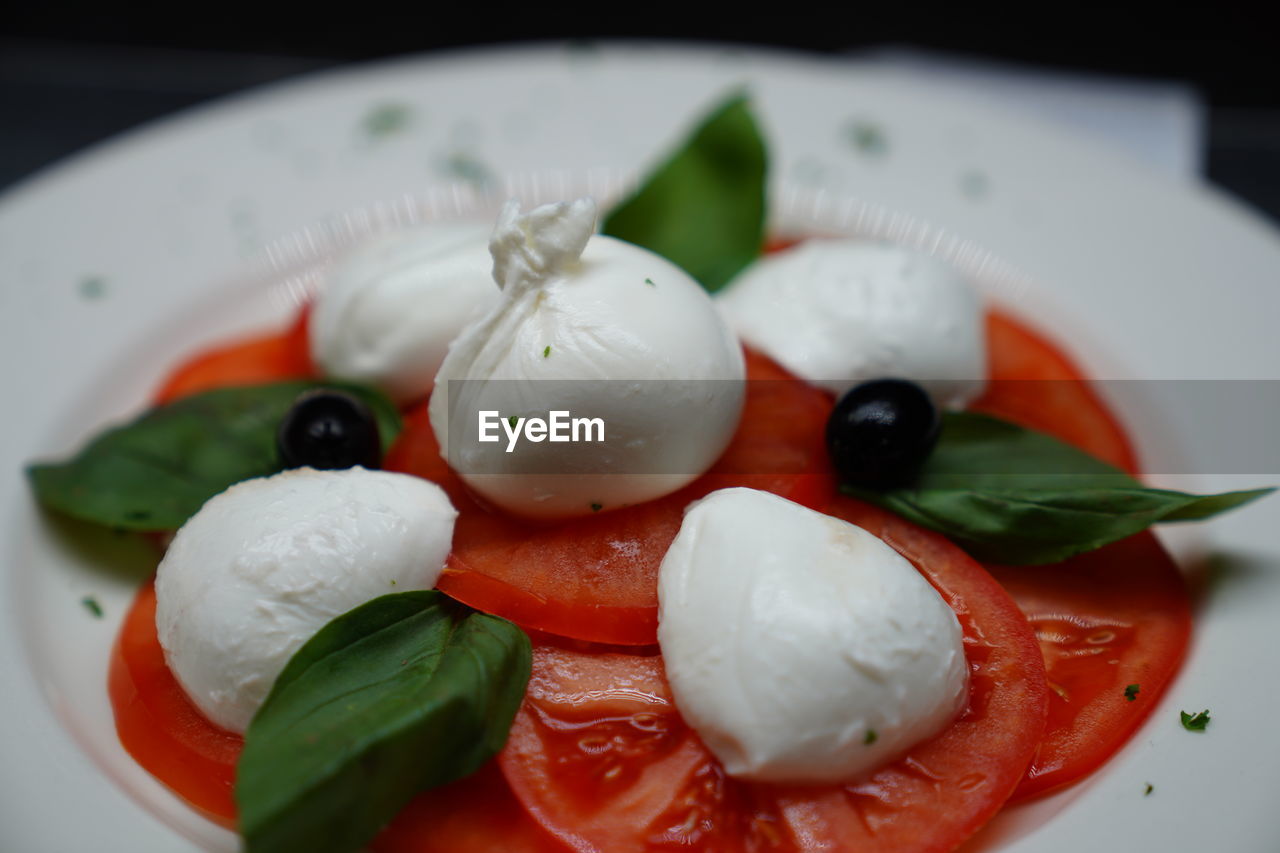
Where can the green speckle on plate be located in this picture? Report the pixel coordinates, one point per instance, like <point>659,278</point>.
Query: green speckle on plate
<point>974,184</point>
<point>92,287</point>
<point>464,167</point>
<point>386,119</point>
<point>866,137</point>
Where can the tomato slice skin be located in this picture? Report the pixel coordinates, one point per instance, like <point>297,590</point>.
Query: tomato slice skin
<point>595,578</point>
<point>600,756</point>
<point>1033,383</point>
<point>160,727</point>
<point>1107,619</point>
<point>251,361</point>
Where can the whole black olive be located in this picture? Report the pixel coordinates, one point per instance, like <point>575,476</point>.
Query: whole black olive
<point>881,432</point>
<point>329,429</point>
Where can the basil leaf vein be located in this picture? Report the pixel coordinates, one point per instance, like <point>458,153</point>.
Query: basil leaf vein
<point>1013,495</point>
<point>704,208</point>
<point>404,693</point>
<point>155,472</point>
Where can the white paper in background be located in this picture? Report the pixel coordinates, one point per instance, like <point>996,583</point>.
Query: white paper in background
<point>1158,121</point>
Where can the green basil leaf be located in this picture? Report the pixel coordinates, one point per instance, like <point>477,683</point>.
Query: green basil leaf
<point>154,473</point>
<point>704,208</point>
<point>1013,495</point>
<point>403,693</point>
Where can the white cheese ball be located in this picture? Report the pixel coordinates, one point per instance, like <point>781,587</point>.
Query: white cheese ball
<point>841,312</point>
<point>387,311</point>
<point>667,373</point>
<point>266,564</point>
<point>800,647</point>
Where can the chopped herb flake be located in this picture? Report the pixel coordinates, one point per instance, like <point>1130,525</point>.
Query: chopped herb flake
<point>91,604</point>
<point>597,507</point>
<point>974,184</point>
<point>867,137</point>
<point>546,351</point>
<point>649,282</point>
<point>870,737</point>
<point>464,167</point>
<point>1195,722</point>
<point>386,119</point>
<point>513,420</point>
<point>1149,789</point>
<point>1131,692</point>
<point>93,287</point>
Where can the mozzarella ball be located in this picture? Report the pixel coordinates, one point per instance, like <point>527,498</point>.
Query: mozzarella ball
<point>388,310</point>
<point>666,373</point>
<point>266,564</point>
<point>841,312</point>
<point>801,648</point>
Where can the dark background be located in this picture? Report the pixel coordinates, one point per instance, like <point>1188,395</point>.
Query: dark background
<point>71,75</point>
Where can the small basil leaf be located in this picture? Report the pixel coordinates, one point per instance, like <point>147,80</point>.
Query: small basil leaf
<point>704,208</point>
<point>403,693</point>
<point>1013,495</point>
<point>154,473</point>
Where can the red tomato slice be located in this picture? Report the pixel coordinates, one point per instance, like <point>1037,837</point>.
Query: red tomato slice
<point>1107,619</point>
<point>1113,617</point>
<point>266,358</point>
<point>1035,384</point>
<point>160,727</point>
<point>477,813</point>
<point>595,578</point>
<point>599,755</point>
<point>166,734</point>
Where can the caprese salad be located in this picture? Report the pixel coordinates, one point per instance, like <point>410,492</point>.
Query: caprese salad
<point>856,560</point>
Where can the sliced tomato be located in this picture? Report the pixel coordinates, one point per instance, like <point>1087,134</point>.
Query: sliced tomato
<point>477,813</point>
<point>599,755</point>
<point>265,358</point>
<point>166,734</point>
<point>160,727</point>
<point>1112,618</point>
<point>1106,619</point>
<point>1033,383</point>
<point>595,578</point>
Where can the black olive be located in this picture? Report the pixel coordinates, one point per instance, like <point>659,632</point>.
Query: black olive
<point>329,429</point>
<point>881,432</point>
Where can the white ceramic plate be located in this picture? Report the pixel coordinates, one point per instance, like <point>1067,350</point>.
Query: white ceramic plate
<point>120,260</point>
